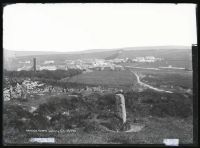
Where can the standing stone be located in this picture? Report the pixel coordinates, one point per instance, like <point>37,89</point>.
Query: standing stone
<point>120,107</point>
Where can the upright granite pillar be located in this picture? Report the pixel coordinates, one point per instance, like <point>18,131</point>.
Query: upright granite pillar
<point>120,107</point>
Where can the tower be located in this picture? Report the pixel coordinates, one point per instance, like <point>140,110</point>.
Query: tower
<point>34,64</point>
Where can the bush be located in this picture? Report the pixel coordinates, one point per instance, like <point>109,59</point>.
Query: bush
<point>176,108</point>
<point>47,74</point>
<point>159,104</point>
<point>106,101</point>
<point>55,107</point>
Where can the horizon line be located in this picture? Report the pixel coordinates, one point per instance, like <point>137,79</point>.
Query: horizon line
<point>109,49</point>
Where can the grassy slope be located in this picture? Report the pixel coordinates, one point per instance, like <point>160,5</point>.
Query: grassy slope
<point>154,132</point>
<point>170,77</point>
<point>176,79</point>
<point>156,129</point>
<point>126,78</point>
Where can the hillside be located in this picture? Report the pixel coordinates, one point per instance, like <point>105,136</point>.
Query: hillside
<point>100,52</point>
<point>28,53</point>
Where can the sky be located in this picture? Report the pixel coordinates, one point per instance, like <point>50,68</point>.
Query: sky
<point>77,27</point>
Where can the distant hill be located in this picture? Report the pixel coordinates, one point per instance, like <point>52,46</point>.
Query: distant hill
<point>27,53</point>
<point>33,53</point>
<point>115,55</point>
<point>181,53</point>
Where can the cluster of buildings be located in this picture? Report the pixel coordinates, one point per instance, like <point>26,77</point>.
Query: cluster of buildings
<point>147,59</point>
<point>88,64</point>
<point>25,62</point>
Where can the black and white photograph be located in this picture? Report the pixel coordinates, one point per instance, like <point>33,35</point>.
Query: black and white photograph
<point>98,73</point>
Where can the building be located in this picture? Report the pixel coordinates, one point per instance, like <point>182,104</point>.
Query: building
<point>150,59</point>
<point>61,67</point>
<point>24,68</point>
<point>48,68</point>
<point>140,59</point>
<point>49,62</point>
<point>24,62</point>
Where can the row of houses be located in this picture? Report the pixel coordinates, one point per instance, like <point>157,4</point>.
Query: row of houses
<point>108,68</point>
<point>146,59</point>
<point>95,64</point>
<point>63,67</point>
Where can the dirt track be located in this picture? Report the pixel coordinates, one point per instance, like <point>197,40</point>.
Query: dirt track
<point>149,86</point>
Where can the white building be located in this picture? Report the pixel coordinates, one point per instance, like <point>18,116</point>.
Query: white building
<point>24,68</point>
<point>150,58</point>
<point>146,59</point>
<point>140,59</point>
<point>48,68</point>
<point>49,62</point>
<point>118,60</point>
<point>24,62</point>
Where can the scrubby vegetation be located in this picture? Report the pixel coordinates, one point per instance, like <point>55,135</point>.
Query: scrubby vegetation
<point>46,74</point>
<point>49,77</point>
<point>183,80</point>
<point>92,113</point>
<point>159,104</point>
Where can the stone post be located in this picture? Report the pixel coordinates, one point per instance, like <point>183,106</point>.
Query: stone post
<point>120,107</point>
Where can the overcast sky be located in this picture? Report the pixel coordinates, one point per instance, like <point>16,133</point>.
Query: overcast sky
<point>76,27</point>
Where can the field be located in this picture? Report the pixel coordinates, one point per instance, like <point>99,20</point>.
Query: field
<point>106,78</point>
<point>174,80</point>
<point>177,79</point>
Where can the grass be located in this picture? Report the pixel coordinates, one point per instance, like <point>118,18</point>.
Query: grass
<point>155,130</point>
<point>159,104</point>
<point>106,78</point>
<point>176,79</point>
